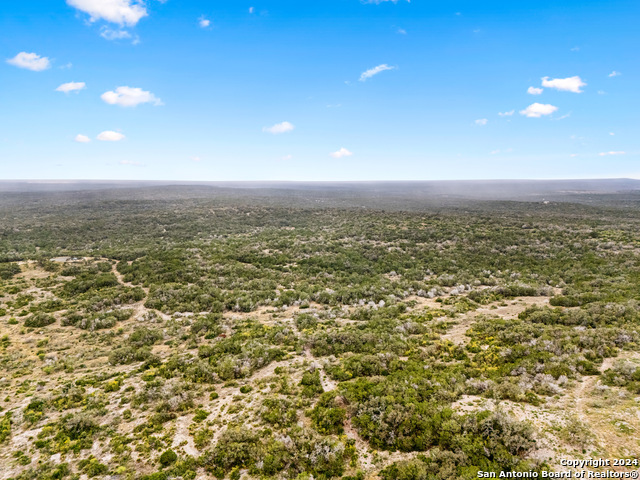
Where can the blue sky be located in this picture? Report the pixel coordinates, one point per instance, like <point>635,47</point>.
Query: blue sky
<point>331,90</point>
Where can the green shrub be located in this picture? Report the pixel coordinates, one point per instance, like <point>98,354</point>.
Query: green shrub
<point>200,415</point>
<point>5,427</point>
<point>328,418</point>
<point>39,320</point>
<point>143,337</point>
<point>9,270</point>
<point>168,457</point>
<point>311,383</point>
<point>279,412</point>
<point>92,467</point>
<point>126,355</point>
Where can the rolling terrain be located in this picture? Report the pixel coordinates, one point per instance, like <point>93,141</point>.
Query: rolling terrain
<point>383,331</point>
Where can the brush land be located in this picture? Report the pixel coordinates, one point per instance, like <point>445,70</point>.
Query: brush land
<point>386,332</point>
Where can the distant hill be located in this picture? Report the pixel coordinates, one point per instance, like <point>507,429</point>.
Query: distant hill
<point>481,189</point>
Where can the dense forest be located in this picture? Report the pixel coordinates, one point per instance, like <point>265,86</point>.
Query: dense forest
<point>192,332</point>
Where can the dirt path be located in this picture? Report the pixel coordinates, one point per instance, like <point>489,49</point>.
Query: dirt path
<point>182,435</point>
<point>457,334</point>
<point>582,392</point>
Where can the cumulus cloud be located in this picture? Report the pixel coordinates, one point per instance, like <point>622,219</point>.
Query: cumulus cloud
<point>278,128</point>
<point>606,154</point>
<point>570,84</point>
<point>507,114</point>
<point>615,74</point>
<point>71,87</point>
<point>110,136</point>
<point>252,9</point>
<point>534,91</point>
<point>82,139</point>
<point>343,152</point>
<point>130,97</point>
<point>122,12</point>
<point>204,22</point>
<point>481,122</point>
<point>374,71</point>
<point>30,61</point>
<point>537,110</point>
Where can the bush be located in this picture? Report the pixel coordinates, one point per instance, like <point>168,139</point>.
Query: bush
<point>39,320</point>
<point>168,457</point>
<point>311,383</point>
<point>5,427</point>
<point>279,412</point>
<point>126,355</point>
<point>237,447</point>
<point>208,325</point>
<point>328,418</point>
<point>92,467</point>
<point>143,337</point>
<point>9,270</point>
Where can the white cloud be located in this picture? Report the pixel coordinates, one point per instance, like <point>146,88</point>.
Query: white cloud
<point>122,12</point>
<point>570,84</point>
<point>82,139</point>
<point>252,9</point>
<point>30,61</point>
<point>402,31</point>
<point>287,157</point>
<point>196,159</point>
<point>481,122</point>
<point>611,133</point>
<point>575,49</point>
<point>204,22</point>
<point>374,71</point>
<point>534,91</point>
<point>507,114</point>
<point>130,97</point>
<point>343,152</point>
<point>71,87</point>
<point>615,74</point>
<point>566,115</point>
<point>131,162</point>
<point>537,110</point>
<point>110,136</point>
<point>278,128</point>
<point>606,154</point>
<point>110,34</point>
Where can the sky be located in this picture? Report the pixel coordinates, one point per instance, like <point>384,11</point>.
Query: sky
<point>330,90</point>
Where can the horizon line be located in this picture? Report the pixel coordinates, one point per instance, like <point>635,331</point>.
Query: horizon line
<point>177,182</point>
